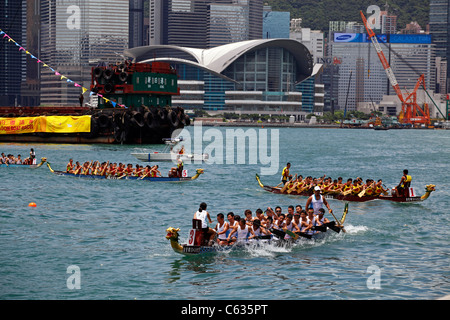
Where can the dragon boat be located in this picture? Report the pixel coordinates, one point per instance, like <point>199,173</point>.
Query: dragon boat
<point>412,197</point>
<point>125,177</point>
<point>196,244</point>
<point>29,166</point>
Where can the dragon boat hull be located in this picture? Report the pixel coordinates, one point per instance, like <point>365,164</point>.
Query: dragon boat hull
<point>196,243</point>
<point>150,179</point>
<point>24,166</point>
<point>352,198</point>
<point>197,250</point>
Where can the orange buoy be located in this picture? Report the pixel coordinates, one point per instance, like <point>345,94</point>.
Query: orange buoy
<point>32,204</point>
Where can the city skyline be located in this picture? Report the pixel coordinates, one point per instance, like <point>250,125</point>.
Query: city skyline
<point>73,36</point>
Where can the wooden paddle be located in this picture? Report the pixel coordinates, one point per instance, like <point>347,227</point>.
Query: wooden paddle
<point>287,184</point>
<point>362,193</point>
<point>337,221</point>
<point>291,234</point>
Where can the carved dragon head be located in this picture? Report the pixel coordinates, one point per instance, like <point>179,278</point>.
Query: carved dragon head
<point>172,234</point>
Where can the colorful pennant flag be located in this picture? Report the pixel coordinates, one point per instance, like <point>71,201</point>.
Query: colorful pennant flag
<point>84,90</point>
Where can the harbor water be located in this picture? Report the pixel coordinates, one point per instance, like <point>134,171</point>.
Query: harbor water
<point>112,232</point>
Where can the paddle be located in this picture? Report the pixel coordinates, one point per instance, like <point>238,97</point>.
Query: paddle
<point>281,234</point>
<point>291,234</point>
<point>287,184</point>
<point>362,193</point>
<point>339,225</point>
<point>322,228</point>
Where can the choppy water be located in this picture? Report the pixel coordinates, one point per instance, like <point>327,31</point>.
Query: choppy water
<point>114,231</point>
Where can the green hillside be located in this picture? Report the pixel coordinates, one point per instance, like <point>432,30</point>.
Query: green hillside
<point>317,13</point>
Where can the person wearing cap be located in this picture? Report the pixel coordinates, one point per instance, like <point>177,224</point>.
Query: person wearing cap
<point>316,201</point>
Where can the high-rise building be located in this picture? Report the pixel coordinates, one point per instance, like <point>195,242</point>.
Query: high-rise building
<point>12,62</point>
<point>409,56</point>
<point>440,31</point>
<point>136,29</point>
<point>76,35</point>
<point>276,24</point>
<point>204,23</point>
<point>388,22</point>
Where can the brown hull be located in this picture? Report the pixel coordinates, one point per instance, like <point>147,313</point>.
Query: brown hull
<point>349,198</point>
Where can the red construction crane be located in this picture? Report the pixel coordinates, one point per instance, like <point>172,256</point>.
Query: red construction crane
<point>411,112</point>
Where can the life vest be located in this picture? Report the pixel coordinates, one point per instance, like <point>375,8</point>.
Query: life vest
<point>407,182</point>
<point>347,187</point>
<point>285,173</point>
<point>378,190</point>
<point>356,189</point>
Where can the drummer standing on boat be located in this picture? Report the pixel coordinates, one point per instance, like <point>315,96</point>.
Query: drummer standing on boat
<point>316,201</point>
<point>285,175</point>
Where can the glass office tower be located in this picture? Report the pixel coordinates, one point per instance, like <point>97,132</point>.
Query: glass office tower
<point>204,23</point>
<point>76,35</point>
<point>12,62</point>
<point>440,31</point>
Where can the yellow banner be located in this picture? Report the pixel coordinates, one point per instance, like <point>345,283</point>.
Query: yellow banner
<point>52,124</point>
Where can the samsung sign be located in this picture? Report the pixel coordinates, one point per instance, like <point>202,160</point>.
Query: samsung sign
<point>383,38</point>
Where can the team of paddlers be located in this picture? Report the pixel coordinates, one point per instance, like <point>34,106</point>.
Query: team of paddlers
<point>357,186</point>
<point>266,225</point>
<point>11,159</point>
<point>119,170</point>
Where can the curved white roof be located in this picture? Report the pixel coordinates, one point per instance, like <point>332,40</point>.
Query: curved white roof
<point>217,59</point>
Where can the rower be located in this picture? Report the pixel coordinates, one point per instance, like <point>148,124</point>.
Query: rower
<point>221,229</point>
<point>242,233</point>
<point>248,217</point>
<point>320,218</point>
<point>285,175</point>
<point>259,230</point>
<point>86,168</point>
<point>70,166</point>
<point>232,223</point>
<point>154,172</point>
<point>356,188</point>
<point>290,225</point>
<point>379,189</point>
<point>402,190</point>
<point>316,201</point>
<point>280,223</point>
<point>347,186</point>
<point>311,220</point>
<point>304,225</point>
<point>260,216</point>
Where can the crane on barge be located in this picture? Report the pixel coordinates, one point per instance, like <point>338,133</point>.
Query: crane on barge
<point>411,112</point>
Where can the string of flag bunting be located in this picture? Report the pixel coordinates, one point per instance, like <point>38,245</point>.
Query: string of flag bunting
<point>62,77</point>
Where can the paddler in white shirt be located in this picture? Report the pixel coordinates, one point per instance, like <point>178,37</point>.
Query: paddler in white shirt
<point>221,229</point>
